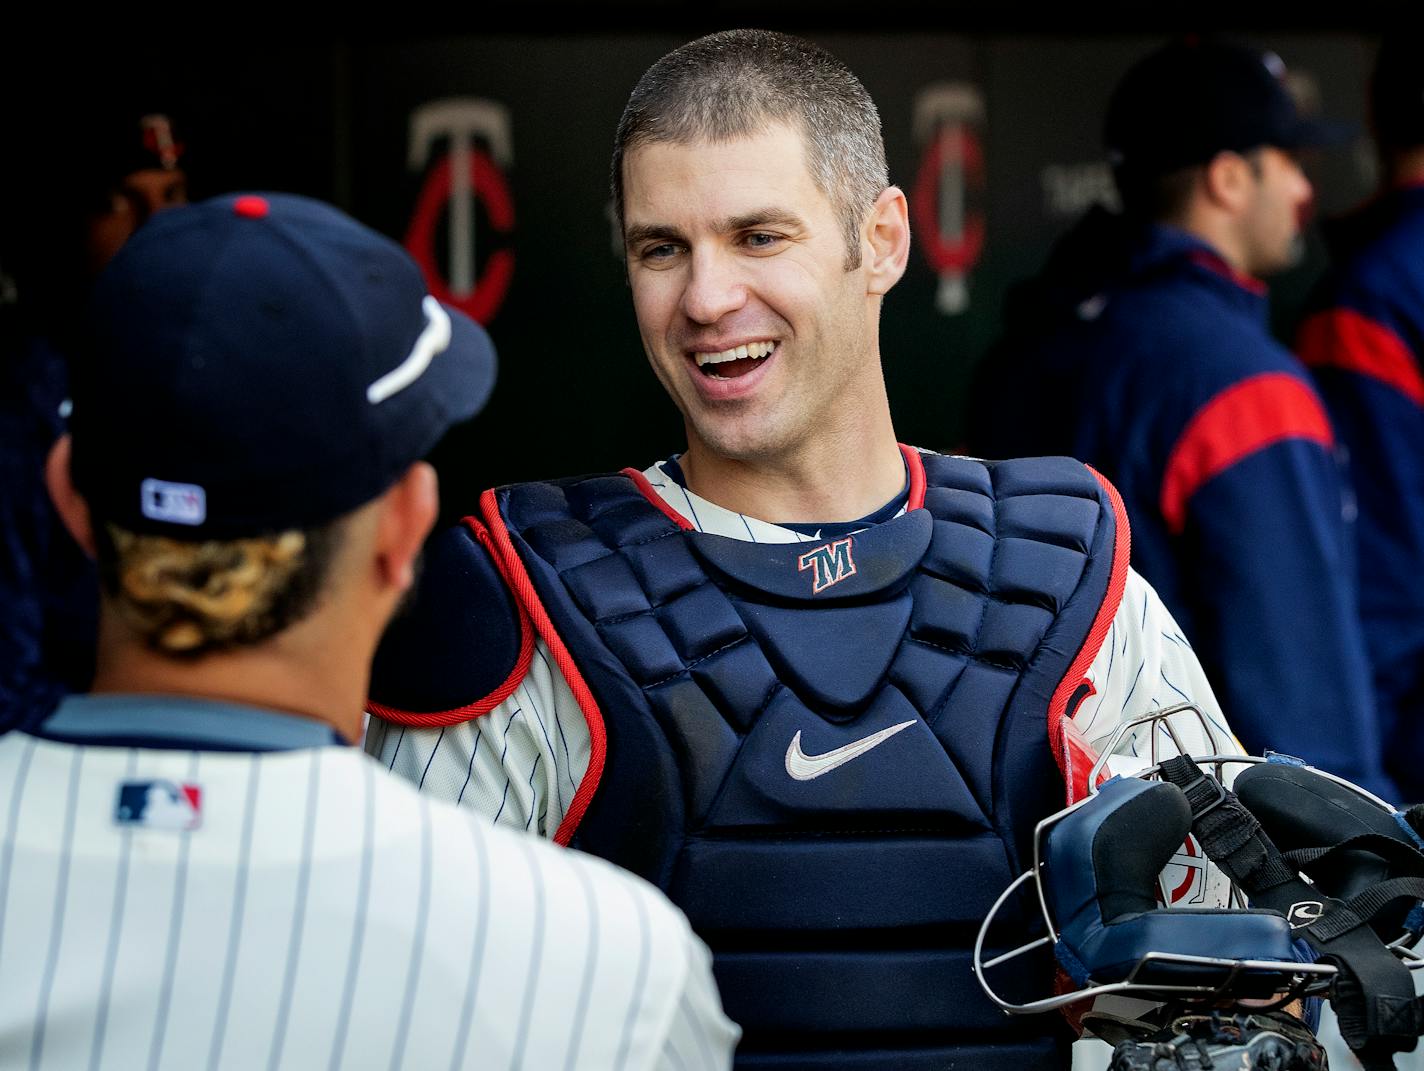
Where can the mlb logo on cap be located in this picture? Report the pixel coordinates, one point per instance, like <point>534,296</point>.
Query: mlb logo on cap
<point>178,503</point>
<point>159,805</point>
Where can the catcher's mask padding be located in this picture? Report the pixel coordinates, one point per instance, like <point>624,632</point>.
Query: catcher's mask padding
<point>1107,912</point>
<point>1299,809</point>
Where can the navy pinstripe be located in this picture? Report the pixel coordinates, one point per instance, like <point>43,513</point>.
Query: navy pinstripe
<point>1135,681</point>
<point>469,770</point>
<point>417,945</point>
<point>477,950</point>
<point>558,788</point>
<point>638,985</point>
<point>9,859</point>
<point>532,771</point>
<point>399,741</point>
<point>531,986</point>
<point>358,929</point>
<point>111,955</point>
<point>692,510</point>
<point>299,912</point>
<point>568,764</point>
<point>60,900</point>
<point>429,760</point>
<point>239,901</point>
<point>175,930</point>
<point>505,798</point>
<point>586,990</point>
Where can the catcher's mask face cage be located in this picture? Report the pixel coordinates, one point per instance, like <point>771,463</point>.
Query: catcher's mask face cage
<point>1121,942</point>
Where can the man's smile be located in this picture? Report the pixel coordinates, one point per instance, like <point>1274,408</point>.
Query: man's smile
<point>735,361</point>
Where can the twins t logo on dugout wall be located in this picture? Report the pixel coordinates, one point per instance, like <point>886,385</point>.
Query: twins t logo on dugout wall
<point>949,186</point>
<point>830,564</point>
<point>465,179</point>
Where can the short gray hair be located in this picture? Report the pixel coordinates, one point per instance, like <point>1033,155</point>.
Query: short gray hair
<point>739,82</point>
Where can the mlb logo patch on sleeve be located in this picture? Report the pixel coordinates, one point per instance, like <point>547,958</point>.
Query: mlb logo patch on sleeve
<point>159,805</point>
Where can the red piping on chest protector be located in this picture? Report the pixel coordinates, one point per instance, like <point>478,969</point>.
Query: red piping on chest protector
<point>651,494</point>
<point>915,466</point>
<point>517,577</point>
<point>454,716</point>
<point>1102,623</point>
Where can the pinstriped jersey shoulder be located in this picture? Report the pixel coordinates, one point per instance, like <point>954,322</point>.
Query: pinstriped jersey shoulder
<point>321,913</point>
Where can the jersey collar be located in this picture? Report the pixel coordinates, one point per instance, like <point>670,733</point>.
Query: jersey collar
<point>183,723</point>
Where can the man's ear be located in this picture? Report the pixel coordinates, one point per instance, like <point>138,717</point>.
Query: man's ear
<point>885,242</point>
<point>407,513</point>
<point>1228,180</point>
<point>72,509</point>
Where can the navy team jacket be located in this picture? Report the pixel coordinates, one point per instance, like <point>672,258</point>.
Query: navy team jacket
<point>1363,339</point>
<point>1139,351</point>
<point>832,758</point>
<point>49,588</point>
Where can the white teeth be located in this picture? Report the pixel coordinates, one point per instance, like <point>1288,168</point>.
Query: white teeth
<point>756,350</point>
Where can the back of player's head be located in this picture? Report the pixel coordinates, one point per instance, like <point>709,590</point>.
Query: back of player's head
<point>1397,93</point>
<point>741,82</point>
<point>1181,105</point>
<point>258,367</point>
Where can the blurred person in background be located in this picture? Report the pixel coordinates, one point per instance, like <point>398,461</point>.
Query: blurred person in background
<point>1363,339</point>
<point>87,188</point>
<point>1143,349</point>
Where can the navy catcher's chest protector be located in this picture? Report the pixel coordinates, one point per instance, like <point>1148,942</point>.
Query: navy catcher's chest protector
<point>831,754</point>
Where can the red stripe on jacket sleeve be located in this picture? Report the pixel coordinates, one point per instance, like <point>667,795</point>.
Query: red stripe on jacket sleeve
<point>1244,418</point>
<point>1344,338</point>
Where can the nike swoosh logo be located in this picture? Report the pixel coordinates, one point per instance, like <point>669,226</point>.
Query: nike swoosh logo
<point>804,767</point>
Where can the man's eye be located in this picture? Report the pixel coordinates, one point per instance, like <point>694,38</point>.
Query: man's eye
<point>662,251</point>
<point>761,240</point>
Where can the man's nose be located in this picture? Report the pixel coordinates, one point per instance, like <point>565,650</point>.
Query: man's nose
<point>714,287</point>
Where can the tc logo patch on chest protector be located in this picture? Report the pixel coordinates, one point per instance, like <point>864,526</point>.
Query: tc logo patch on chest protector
<point>830,564</point>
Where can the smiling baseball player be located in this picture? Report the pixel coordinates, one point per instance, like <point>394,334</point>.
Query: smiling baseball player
<point>195,870</point>
<point>817,685</point>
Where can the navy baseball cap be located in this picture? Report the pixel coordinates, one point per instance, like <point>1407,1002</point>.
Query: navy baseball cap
<point>263,362</point>
<point>1192,99</point>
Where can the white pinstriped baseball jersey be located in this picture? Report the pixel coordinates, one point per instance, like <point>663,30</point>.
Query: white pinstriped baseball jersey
<point>520,764</point>
<point>250,895</point>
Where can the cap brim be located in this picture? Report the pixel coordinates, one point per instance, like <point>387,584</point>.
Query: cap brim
<point>464,375</point>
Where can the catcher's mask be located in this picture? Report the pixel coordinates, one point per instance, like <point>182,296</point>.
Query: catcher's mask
<point>1347,876</point>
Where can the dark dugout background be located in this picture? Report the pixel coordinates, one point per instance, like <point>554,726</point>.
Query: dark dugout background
<point>991,130</point>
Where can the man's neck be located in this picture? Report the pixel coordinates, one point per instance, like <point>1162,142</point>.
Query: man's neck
<point>1216,231</point>
<point>284,674</point>
<point>837,478</point>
